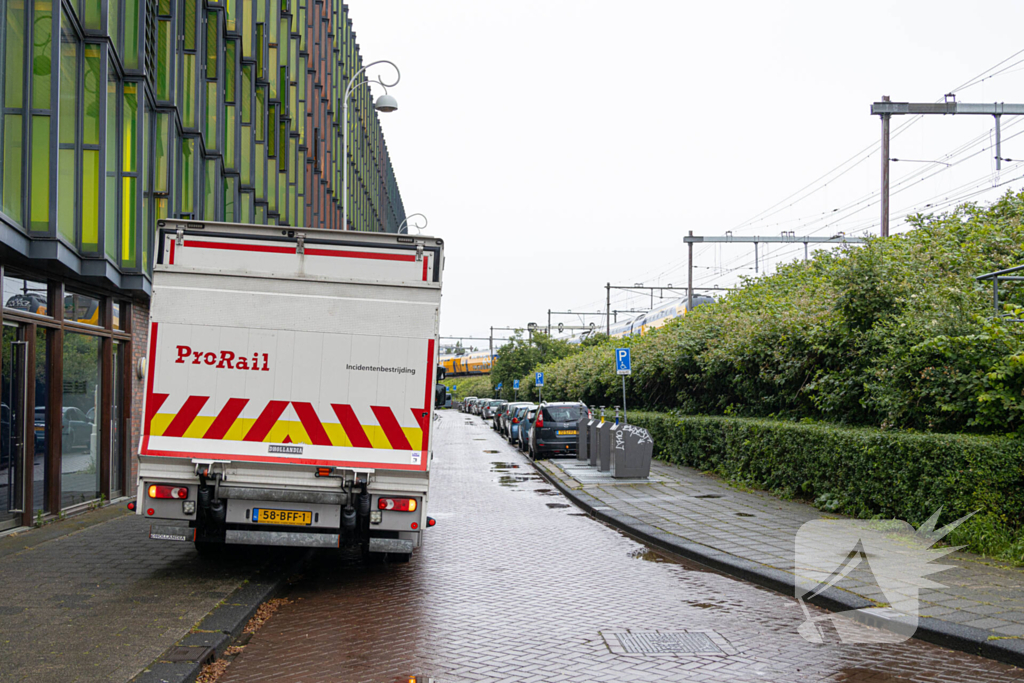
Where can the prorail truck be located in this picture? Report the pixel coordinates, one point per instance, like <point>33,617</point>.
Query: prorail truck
<point>289,387</point>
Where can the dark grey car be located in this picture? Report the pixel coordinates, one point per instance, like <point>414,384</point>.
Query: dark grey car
<point>554,430</point>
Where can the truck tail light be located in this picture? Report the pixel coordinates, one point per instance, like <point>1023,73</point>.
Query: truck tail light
<point>431,521</point>
<point>165,491</point>
<point>397,504</point>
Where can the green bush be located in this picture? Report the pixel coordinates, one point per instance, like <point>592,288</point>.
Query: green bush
<point>863,472</point>
<point>895,333</point>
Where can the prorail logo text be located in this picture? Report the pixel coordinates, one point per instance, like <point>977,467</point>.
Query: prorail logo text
<point>223,359</point>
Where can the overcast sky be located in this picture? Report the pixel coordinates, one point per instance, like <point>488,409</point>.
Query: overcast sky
<point>556,145</point>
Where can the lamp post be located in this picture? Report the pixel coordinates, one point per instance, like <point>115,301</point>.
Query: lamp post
<point>415,225</point>
<point>385,103</point>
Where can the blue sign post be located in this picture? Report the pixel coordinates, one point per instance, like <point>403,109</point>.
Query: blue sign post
<point>623,366</point>
<point>538,382</point>
<point>497,388</point>
<point>515,388</point>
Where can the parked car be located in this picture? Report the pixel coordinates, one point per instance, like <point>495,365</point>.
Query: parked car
<point>554,429</point>
<point>525,425</point>
<point>76,428</point>
<point>464,406</point>
<point>487,411</point>
<point>505,417</point>
<point>516,420</point>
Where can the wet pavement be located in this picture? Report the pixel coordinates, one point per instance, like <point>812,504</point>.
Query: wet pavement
<point>92,598</point>
<point>515,584</point>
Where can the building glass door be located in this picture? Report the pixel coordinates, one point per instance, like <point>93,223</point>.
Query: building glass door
<point>117,424</point>
<point>12,426</point>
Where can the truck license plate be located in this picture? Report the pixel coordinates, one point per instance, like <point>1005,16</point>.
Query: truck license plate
<point>264,516</point>
<point>567,432</point>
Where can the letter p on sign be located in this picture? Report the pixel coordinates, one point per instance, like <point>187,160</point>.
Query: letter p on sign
<point>623,365</point>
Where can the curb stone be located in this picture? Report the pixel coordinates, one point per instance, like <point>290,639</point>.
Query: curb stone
<point>221,626</point>
<point>967,639</point>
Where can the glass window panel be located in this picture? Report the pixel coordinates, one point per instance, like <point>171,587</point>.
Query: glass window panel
<point>146,188</point>
<point>81,308</point>
<point>230,65</point>
<point>130,141</point>
<point>163,142</point>
<point>189,86</point>
<point>14,64</point>
<point>272,187</point>
<point>13,166</point>
<point>161,207</point>
<point>272,139</point>
<point>260,70</point>
<point>210,178</point>
<point>41,451</point>
<point>164,7</point>
<point>25,295</point>
<point>229,137</point>
<point>68,81</point>
<point>245,208</point>
<point>110,221</point>
<point>261,214</point>
<point>66,188</point>
<point>229,14</point>
<point>80,471</point>
<point>261,163</point>
<point>163,60</point>
<point>91,96</point>
<point>90,200</point>
<point>40,186</point>
<point>245,94</point>
<point>212,48</point>
<point>187,169</point>
<point>245,147</point>
<point>129,215</point>
<point>42,49</point>
<point>131,34</point>
<point>117,440</point>
<point>190,24</point>
<point>92,10</point>
<point>210,124</point>
<point>114,22</point>
<point>273,73</point>
<point>259,114</point>
<point>116,322</point>
<point>230,185</point>
<point>247,28</point>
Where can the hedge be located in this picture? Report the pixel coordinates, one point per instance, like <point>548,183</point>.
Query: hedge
<point>863,472</point>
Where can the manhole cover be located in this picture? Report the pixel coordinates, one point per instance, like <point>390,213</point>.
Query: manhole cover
<point>664,642</point>
<point>182,653</point>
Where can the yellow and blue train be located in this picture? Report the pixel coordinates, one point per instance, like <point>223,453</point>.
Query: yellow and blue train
<point>474,363</point>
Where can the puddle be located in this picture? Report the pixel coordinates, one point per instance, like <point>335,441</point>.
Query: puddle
<point>578,514</point>
<point>744,514</point>
<point>546,492</point>
<point>709,495</point>
<point>515,479</point>
<point>648,555</point>
<point>558,505</point>
<point>490,451</point>
<point>502,465</point>
<point>704,605</point>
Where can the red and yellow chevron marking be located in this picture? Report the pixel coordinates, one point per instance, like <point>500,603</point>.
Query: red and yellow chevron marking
<point>268,427</point>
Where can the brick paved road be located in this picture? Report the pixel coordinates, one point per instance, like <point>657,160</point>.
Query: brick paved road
<point>101,603</point>
<point>514,585</point>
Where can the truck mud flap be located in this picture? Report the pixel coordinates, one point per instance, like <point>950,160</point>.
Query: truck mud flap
<point>167,532</point>
<point>285,538</point>
<point>390,545</point>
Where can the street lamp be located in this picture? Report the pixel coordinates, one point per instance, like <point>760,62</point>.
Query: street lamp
<point>415,225</point>
<point>385,103</point>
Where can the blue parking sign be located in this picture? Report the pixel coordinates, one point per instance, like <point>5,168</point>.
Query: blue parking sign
<point>499,385</point>
<point>539,380</point>
<point>515,384</point>
<point>623,365</point>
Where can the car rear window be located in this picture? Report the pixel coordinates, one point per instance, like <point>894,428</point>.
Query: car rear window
<point>568,413</point>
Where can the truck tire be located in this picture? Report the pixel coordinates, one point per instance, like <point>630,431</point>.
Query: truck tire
<point>208,550</point>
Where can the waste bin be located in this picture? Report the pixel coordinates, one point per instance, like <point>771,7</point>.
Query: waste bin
<point>582,432</point>
<point>605,436</point>
<point>592,441</point>
<point>631,452</point>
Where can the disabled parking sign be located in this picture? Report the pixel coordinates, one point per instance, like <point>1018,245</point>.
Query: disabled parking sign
<point>515,384</point>
<point>539,380</point>
<point>623,364</point>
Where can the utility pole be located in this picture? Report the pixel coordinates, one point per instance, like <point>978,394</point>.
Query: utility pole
<point>549,322</point>
<point>887,108</point>
<point>689,269</point>
<point>885,170</point>
<point>608,309</point>
<point>490,357</point>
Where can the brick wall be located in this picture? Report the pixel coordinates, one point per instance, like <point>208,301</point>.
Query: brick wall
<point>140,349</point>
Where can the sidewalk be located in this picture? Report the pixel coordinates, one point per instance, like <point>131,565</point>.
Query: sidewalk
<point>92,598</point>
<point>752,535</point>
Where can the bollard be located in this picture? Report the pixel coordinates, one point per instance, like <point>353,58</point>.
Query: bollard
<point>592,427</point>
<point>631,453</point>
<point>582,432</point>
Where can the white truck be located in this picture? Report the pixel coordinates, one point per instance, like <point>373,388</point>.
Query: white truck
<point>290,387</point>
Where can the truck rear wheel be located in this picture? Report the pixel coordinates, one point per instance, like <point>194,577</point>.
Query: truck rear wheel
<point>207,549</point>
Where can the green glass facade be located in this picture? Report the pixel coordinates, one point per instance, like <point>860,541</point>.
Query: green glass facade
<point>214,110</point>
